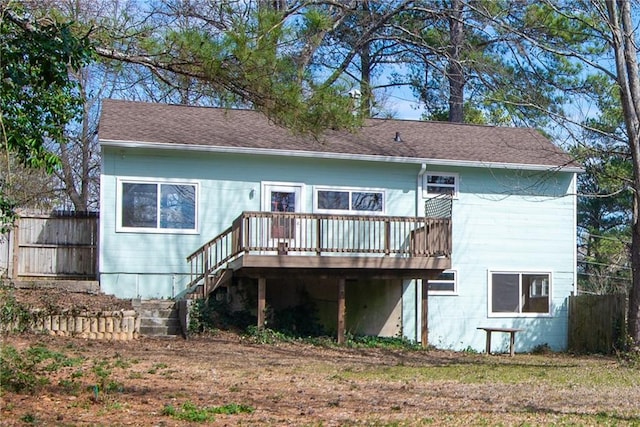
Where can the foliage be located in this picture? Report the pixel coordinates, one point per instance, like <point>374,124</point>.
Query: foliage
<point>7,211</point>
<point>300,320</point>
<point>26,371</point>
<point>34,56</point>
<point>267,335</point>
<point>11,311</point>
<point>270,336</point>
<point>191,413</point>
<point>390,343</point>
<point>207,315</point>
<point>102,370</point>
<point>248,55</point>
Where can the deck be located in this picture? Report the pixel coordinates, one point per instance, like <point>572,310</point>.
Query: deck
<point>265,245</point>
<point>374,245</point>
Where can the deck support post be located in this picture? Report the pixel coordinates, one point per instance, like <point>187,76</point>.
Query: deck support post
<point>341,310</point>
<point>424,324</point>
<point>262,300</point>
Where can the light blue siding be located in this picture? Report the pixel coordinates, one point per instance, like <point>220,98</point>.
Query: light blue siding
<point>154,264</point>
<point>530,229</point>
<point>503,220</point>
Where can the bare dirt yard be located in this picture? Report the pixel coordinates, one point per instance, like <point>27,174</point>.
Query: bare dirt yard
<point>229,379</point>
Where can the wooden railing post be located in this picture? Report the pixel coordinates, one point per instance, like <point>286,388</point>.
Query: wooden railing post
<point>246,233</point>
<point>205,285</point>
<point>387,236</point>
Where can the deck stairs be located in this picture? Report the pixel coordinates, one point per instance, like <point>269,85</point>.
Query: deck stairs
<point>202,288</point>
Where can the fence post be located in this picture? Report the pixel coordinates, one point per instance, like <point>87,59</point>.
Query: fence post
<point>15,267</point>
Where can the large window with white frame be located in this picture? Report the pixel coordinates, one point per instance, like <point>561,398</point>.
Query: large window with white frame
<point>349,200</point>
<point>519,293</point>
<point>438,183</point>
<point>444,284</point>
<point>160,206</point>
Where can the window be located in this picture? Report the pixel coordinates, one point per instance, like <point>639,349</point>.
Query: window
<point>444,284</point>
<point>437,183</point>
<point>517,293</point>
<point>156,206</point>
<point>349,201</point>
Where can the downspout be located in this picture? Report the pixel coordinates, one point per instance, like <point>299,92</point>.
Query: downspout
<point>423,169</point>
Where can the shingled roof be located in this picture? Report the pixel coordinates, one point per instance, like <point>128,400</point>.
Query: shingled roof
<point>126,123</point>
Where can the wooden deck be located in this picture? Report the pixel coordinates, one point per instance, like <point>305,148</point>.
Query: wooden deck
<point>405,246</point>
<point>265,245</point>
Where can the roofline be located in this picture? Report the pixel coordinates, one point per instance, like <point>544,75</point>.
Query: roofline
<point>336,156</point>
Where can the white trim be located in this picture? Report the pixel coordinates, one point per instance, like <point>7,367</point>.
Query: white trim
<point>350,190</point>
<point>520,272</point>
<point>339,156</point>
<point>455,284</point>
<point>425,185</point>
<point>158,181</point>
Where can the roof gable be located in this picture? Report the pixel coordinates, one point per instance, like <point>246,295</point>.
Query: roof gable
<point>177,126</point>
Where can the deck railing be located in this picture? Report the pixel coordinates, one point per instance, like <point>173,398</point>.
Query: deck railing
<point>279,233</point>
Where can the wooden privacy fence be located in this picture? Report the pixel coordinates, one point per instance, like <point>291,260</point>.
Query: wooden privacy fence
<point>596,323</point>
<point>60,244</point>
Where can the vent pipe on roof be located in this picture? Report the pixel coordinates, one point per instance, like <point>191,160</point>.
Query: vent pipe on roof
<point>397,138</point>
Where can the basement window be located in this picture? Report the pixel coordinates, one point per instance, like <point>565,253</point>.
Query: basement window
<point>157,207</point>
<point>444,284</point>
<point>519,293</point>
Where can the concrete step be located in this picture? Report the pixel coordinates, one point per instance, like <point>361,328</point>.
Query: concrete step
<point>159,321</point>
<point>159,331</point>
<point>151,304</point>
<point>158,317</point>
<point>156,313</point>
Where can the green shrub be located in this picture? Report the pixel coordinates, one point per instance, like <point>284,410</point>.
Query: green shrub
<point>210,314</point>
<point>266,335</point>
<point>366,341</point>
<point>11,311</point>
<point>191,413</point>
<point>26,371</point>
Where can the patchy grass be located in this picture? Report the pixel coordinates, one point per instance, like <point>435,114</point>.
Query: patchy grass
<point>299,382</point>
<point>192,413</point>
<point>552,370</point>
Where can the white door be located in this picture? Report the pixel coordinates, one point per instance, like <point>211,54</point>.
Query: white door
<point>283,198</point>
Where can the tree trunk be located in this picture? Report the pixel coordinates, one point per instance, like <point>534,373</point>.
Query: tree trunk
<point>628,80</point>
<point>455,74</point>
<point>365,81</point>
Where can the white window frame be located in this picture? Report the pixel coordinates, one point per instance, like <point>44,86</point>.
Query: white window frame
<point>159,182</point>
<point>520,313</point>
<point>349,190</point>
<point>455,284</point>
<point>425,183</point>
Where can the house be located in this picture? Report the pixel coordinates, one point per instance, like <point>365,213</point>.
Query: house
<point>426,230</point>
